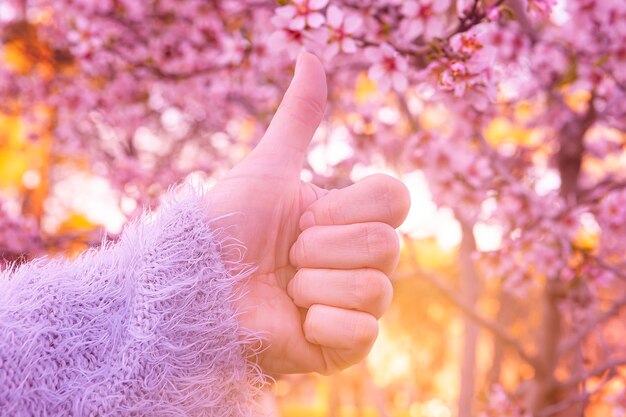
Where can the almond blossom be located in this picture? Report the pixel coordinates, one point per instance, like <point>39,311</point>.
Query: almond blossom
<point>424,18</point>
<point>501,404</point>
<point>388,68</point>
<point>341,32</point>
<point>303,13</point>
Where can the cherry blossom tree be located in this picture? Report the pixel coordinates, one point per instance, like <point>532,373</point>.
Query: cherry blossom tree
<point>514,111</point>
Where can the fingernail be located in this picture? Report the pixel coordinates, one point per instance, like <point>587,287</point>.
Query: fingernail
<point>307,220</point>
<point>290,289</point>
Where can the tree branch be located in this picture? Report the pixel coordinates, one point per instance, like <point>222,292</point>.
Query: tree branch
<point>469,311</point>
<point>522,19</point>
<point>611,366</point>
<point>569,402</point>
<point>574,340</point>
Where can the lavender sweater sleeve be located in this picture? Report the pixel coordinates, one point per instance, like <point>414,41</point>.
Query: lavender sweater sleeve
<point>142,327</point>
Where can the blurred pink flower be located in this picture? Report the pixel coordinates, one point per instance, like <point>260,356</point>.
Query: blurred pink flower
<point>341,32</point>
<point>501,404</point>
<point>303,13</point>
<point>284,39</point>
<point>424,18</point>
<point>84,38</point>
<point>389,68</point>
<point>541,8</point>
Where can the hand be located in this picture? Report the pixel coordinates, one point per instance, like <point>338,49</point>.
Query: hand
<point>323,258</point>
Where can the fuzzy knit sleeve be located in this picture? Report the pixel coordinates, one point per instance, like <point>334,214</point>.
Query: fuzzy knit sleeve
<point>142,327</point>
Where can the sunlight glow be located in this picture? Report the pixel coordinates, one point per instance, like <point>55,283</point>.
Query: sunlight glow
<point>85,194</point>
<point>432,408</point>
<point>425,219</point>
<point>448,230</point>
<point>389,360</point>
<point>488,236</point>
<point>548,181</point>
<point>420,221</point>
<point>388,115</point>
<point>326,154</point>
<point>31,179</point>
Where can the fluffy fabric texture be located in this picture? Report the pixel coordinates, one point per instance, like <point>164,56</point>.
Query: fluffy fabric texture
<point>142,327</point>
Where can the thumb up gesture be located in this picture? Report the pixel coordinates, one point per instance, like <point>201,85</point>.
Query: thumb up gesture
<point>323,258</point>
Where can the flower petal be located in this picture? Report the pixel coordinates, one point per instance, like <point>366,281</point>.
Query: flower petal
<point>409,8</point>
<point>376,72</point>
<point>435,27</point>
<point>297,23</point>
<point>331,50</point>
<point>400,83</point>
<point>384,84</point>
<point>348,46</point>
<point>315,20</point>
<point>286,11</point>
<point>413,29</point>
<point>373,54</point>
<point>334,16</point>
<point>387,50</point>
<point>317,4</point>
<point>440,6</point>
<point>352,24</point>
<point>277,41</point>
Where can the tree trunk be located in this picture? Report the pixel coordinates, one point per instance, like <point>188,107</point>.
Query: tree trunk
<point>569,162</point>
<point>506,314</point>
<point>543,393</point>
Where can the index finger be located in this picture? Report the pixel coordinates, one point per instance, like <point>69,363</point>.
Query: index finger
<point>377,198</point>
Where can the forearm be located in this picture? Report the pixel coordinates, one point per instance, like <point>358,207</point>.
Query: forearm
<point>145,325</point>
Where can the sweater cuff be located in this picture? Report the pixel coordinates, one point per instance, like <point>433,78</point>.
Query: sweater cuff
<point>186,341</point>
<point>145,326</point>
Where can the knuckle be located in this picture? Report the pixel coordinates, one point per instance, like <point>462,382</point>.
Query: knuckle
<point>398,200</point>
<point>394,199</point>
<point>354,289</point>
<point>377,290</point>
<point>382,240</point>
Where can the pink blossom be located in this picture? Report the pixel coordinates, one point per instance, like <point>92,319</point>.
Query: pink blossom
<point>285,39</point>
<point>303,13</point>
<point>501,403</point>
<point>541,8</point>
<point>388,68</point>
<point>19,236</point>
<point>548,62</point>
<point>341,31</point>
<point>508,42</point>
<point>84,38</point>
<point>424,18</point>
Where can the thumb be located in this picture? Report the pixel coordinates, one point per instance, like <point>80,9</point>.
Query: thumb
<point>298,116</point>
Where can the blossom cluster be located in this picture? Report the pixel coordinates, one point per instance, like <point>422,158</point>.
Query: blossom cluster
<point>19,237</point>
<point>501,403</point>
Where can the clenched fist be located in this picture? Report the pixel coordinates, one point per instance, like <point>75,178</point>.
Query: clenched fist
<point>323,258</point>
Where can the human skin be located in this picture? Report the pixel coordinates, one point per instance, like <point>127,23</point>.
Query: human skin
<point>323,258</point>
